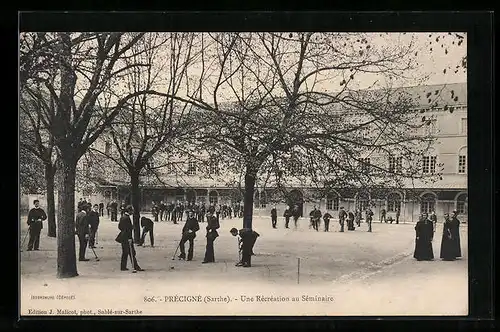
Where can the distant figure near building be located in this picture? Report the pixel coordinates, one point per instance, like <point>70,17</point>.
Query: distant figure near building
<point>101,209</point>
<point>295,215</point>
<point>316,218</point>
<point>369,218</point>
<point>350,221</point>
<point>189,234</point>
<point>423,240</point>
<point>274,216</point>
<point>383,216</point>
<point>36,216</point>
<point>433,219</point>
<point>287,214</point>
<point>342,216</point>
<point>114,210</point>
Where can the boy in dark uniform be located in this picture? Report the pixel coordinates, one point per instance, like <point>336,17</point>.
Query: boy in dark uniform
<point>274,217</point>
<point>188,234</point>
<point>287,214</point>
<point>342,216</point>
<point>93,221</point>
<point>246,241</point>
<point>125,239</point>
<point>147,227</point>
<point>36,216</point>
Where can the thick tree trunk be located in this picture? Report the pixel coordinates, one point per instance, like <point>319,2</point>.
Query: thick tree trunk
<point>135,199</point>
<point>248,198</point>
<point>66,254</point>
<point>50,172</point>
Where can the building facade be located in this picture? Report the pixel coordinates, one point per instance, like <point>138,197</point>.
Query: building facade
<point>203,182</point>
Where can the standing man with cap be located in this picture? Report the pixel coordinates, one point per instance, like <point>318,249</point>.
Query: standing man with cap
<point>274,216</point>
<point>82,231</point>
<point>93,221</point>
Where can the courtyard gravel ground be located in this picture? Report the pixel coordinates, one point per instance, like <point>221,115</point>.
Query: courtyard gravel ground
<point>350,273</point>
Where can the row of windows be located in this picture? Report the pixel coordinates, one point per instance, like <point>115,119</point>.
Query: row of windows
<point>428,164</point>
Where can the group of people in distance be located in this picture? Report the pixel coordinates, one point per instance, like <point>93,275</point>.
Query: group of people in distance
<point>450,241</point>
<point>349,217</point>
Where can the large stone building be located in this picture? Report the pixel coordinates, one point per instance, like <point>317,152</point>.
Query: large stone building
<point>190,180</point>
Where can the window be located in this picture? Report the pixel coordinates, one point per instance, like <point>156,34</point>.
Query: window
<point>107,148</point>
<point>214,166</point>
<point>191,167</point>
<point>395,164</point>
<point>429,164</point>
<point>463,127</point>
<point>462,164</point>
<point>332,202</point>
<point>393,202</point>
<point>365,165</point>
<point>427,204</point>
<point>462,204</point>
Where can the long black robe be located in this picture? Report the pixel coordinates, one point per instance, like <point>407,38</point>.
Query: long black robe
<point>423,242</point>
<point>455,233</point>
<point>448,251</point>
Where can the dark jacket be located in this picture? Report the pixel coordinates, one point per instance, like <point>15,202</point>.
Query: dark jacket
<point>191,225</point>
<point>81,224</point>
<point>247,233</point>
<point>274,213</point>
<point>327,216</point>
<point>287,213</point>
<point>93,219</point>
<point>36,216</point>
<point>126,228</point>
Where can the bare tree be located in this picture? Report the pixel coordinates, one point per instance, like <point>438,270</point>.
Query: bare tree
<point>77,71</point>
<point>273,102</point>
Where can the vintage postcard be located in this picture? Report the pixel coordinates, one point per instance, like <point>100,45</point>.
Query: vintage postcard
<point>243,173</point>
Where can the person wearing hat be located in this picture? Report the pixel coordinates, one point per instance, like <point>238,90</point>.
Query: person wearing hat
<point>82,230</point>
<point>188,234</point>
<point>125,239</point>
<point>423,239</point>
<point>36,216</point>
<point>246,241</point>
<point>213,225</point>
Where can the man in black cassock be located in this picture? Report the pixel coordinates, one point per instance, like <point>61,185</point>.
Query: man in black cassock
<point>246,241</point>
<point>447,242</point>
<point>423,242</point>
<point>188,234</point>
